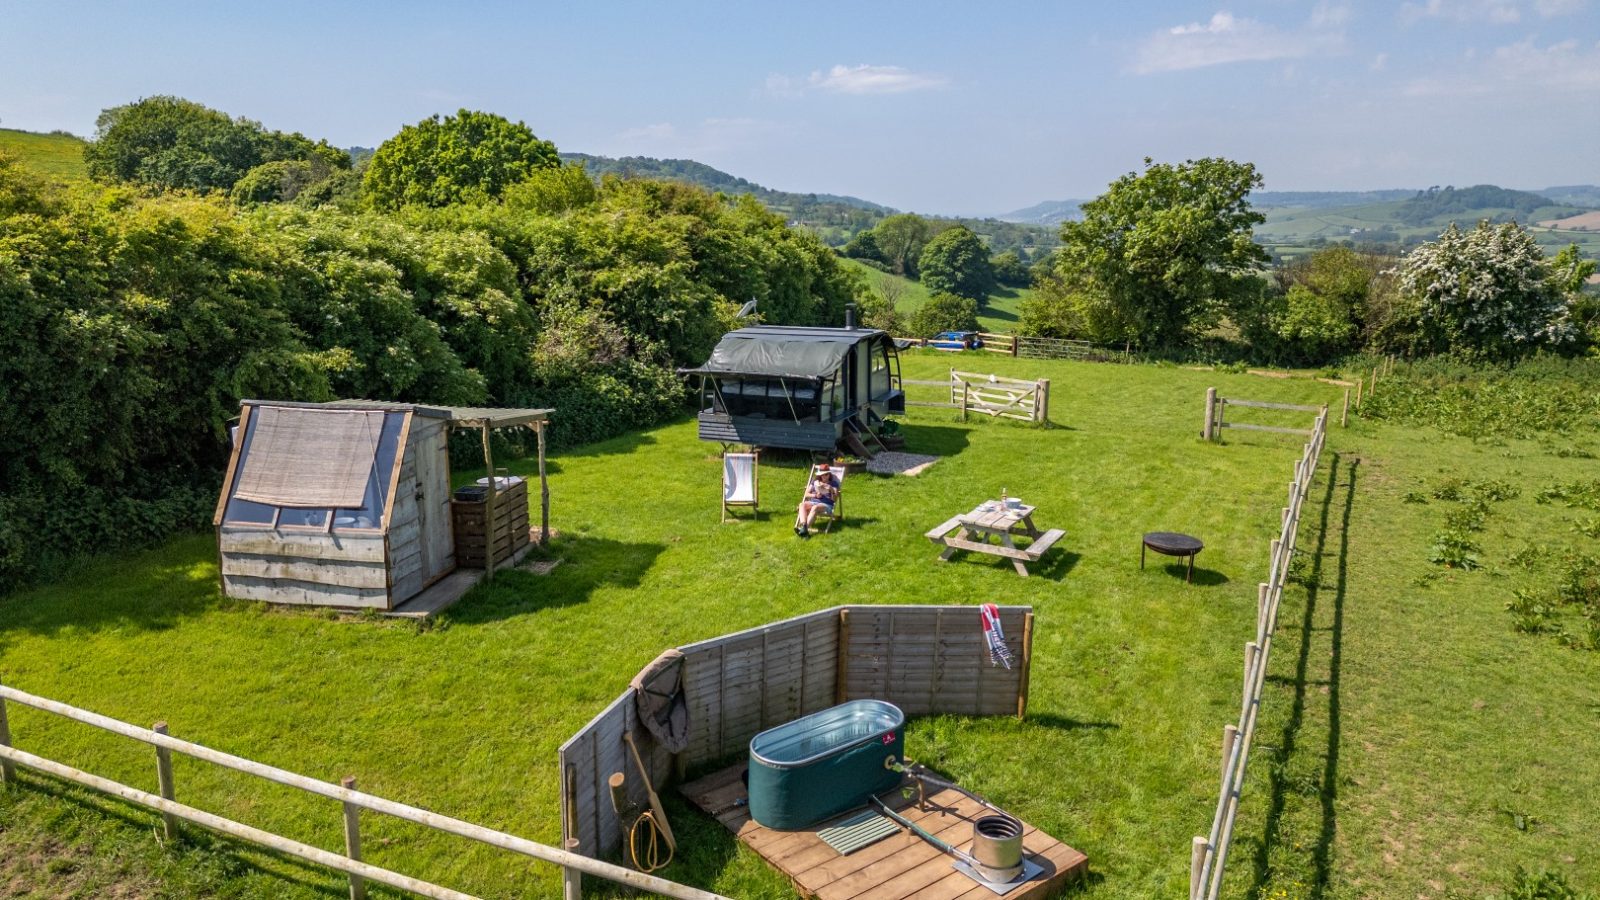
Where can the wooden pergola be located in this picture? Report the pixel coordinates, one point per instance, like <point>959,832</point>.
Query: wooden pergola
<point>483,419</point>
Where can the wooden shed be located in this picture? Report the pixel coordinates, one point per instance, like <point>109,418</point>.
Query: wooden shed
<point>349,504</point>
<point>802,388</point>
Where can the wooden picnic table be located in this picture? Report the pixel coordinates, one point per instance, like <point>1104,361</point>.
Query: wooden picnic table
<point>992,530</point>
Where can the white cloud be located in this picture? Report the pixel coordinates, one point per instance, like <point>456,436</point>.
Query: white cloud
<point>1379,62</point>
<point>861,79</point>
<point>1516,68</point>
<point>1227,38</point>
<point>1549,9</point>
<point>1494,12</point>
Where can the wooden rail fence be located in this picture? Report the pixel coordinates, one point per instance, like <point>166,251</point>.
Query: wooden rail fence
<point>352,802</point>
<point>1216,415</point>
<point>1043,347</point>
<point>992,395</point>
<point>1209,854</point>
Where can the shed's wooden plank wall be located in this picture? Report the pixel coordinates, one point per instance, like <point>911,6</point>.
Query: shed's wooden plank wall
<point>924,659</point>
<point>303,568</point>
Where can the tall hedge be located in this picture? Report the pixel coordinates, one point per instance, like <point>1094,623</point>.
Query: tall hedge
<point>134,325</point>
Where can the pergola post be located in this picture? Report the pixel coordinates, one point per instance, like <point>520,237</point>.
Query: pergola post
<point>544,491</point>
<point>488,509</point>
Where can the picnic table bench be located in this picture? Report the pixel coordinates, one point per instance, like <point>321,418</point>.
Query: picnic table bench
<point>973,531</point>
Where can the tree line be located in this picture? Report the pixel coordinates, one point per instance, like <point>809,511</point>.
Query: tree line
<point>461,264</point>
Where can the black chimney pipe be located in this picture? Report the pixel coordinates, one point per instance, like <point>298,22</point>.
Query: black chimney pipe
<point>850,316</point>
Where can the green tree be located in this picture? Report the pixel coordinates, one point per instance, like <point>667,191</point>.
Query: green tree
<point>552,191</point>
<point>863,246</point>
<point>1165,250</point>
<point>900,238</point>
<point>1485,292</point>
<point>280,180</point>
<point>465,158</point>
<point>168,142</point>
<point>945,312</point>
<point>1010,270</point>
<point>957,262</point>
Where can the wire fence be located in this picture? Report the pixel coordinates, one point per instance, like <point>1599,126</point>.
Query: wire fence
<point>1209,853</point>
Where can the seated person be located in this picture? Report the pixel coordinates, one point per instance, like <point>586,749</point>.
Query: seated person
<point>821,492</point>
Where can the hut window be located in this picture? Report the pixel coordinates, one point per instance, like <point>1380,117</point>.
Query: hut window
<point>343,458</point>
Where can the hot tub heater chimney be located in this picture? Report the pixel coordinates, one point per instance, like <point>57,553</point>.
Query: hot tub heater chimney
<point>850,316</point>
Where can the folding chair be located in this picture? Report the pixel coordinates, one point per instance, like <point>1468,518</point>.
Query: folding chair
<point>741,483</point>
<point>837,471</point>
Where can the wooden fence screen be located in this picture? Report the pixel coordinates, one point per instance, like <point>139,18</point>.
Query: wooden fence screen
<point>924,659</point>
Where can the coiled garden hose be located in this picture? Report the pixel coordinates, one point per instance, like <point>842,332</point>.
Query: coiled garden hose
<point>652,859</point>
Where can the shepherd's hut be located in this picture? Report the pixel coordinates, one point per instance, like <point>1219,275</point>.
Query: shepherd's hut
<point>348,504</point>
<point>802,388</point>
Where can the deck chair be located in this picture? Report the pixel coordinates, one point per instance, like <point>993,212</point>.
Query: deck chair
<point>741,482</point>
<point>838,503</point>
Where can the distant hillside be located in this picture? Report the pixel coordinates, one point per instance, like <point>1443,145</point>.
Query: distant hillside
<point>1455,204</point>
<point>1050,212</point>
<point>59,154</point>
<point>832,217</point>
<point>698,173</point>
<point>1574,194</point>
<point>1326,199</point>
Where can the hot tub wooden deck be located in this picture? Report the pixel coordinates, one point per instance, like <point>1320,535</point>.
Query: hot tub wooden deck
<point>901,865</point>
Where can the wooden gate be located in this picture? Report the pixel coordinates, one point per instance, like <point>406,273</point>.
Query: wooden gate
<point>1010,398</point>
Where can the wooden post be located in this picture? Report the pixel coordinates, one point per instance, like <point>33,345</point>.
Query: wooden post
<point>1027,664</point>
<point>1015,345</point>
<point>1041,406</point>
<point>1358,393</point>
<point>1252,653</point>
<point>1211,405</point>
<point>488,507</point>
<point>842,663</point>
<point>544,491</point>
<point>1261,609</point>
<point>1272,558</point>
<point>8,772</point>
<point>964,390</point>
<point>1230,734</point>
<point>571,879</point>
<point>352,838</point>
<point>1344,415</point>
<point>1197,865</point>
<point>169,822</point>
<point>1374,380</point>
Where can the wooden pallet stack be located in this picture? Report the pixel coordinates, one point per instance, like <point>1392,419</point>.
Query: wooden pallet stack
<point>473,532</point>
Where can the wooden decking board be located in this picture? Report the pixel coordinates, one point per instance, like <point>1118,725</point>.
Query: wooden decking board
<point>897,867</point>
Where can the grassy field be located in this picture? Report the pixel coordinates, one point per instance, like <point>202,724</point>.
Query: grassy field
<point>59,155</point>
<point>1287,229</point>
<point>999,315</point>
<point>1412,744</point>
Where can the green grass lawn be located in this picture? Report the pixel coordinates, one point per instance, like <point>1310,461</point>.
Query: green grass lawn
<point>999,315</point>
<point>1401,718</point>
<point>59,155</point>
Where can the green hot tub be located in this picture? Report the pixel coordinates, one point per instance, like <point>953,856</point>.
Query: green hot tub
<point>817,766</point>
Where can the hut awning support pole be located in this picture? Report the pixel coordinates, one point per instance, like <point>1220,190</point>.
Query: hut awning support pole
<point>488,509</point>
<point>544,492</point>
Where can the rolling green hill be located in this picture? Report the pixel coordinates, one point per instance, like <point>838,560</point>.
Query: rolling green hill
<point>1291,230</point>
<point>57,154</point>
<point>999,315</point>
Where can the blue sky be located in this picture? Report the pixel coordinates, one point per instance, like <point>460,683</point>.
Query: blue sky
<point>926,106</point>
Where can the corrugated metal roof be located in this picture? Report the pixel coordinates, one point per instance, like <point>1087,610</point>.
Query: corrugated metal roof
<point>464,416</point>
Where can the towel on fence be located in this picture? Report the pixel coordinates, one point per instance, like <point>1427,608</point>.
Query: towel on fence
<point>659,698</point>
<point>995,636</point>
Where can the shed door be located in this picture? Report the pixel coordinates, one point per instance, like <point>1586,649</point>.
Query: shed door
<point>433,504</point>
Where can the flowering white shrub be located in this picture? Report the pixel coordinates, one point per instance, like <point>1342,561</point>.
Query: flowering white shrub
<point>1486,291</point>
